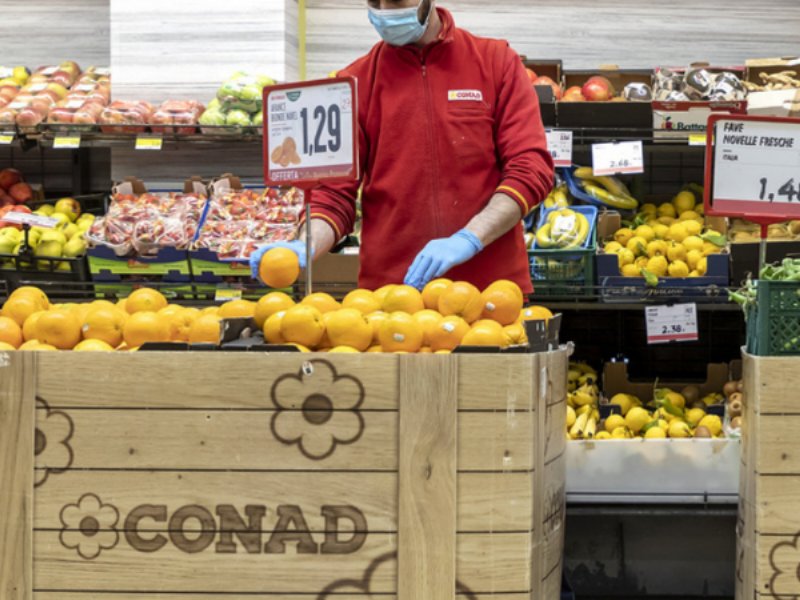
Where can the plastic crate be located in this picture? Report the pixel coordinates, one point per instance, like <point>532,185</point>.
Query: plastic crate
<point>590,212</point>
<point>564,273</point>
<point>45,272</point>
<point>773,325</point>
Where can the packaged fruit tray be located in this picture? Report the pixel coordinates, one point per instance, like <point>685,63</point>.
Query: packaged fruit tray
<point>773,324</point>
<point>565,229</point>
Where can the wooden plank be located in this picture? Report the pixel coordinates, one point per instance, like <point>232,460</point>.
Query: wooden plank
<point>243,381</point>
<point>777,505</point>
<point>427,479</point>
<point>17,401</point>
<point>219,439</point>
<point>499,382</point>
<point>486,501</point>
<point>486,564</point>
<point>63,595</point>
<point>777,448</point>
<point>774,391</point>
<point>777,560</point>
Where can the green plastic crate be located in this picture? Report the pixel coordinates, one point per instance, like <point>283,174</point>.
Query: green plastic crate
<point>563,273</point>
<point>773,325</point>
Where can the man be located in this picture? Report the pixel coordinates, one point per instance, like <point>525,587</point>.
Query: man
<point>453,155</point>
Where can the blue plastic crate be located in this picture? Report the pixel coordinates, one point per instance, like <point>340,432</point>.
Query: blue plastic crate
<point>590,212</point>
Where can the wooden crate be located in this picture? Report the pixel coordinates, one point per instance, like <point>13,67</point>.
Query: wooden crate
<point>228,475</point>
<point>768,527</point>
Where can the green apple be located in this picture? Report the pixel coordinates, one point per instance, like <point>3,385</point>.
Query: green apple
<point>7,244</point>
<point>11,232</point>
<point>34,235</point>
<point>75,247</point>
<point>69,207</point>
<point>63,220</point>
<point>45,210</point>
<point>71,231</point>
<point>53,235</point>
<point>238,117</point>
<point>86,218</point>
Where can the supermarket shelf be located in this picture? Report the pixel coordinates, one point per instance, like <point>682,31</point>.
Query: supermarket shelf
<point>584,305</point>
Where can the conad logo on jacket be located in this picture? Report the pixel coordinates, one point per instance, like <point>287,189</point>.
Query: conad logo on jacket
<point>465,95</point>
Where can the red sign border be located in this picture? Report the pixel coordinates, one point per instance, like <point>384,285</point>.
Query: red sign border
<point>309,183</point>
<point>752,211</point>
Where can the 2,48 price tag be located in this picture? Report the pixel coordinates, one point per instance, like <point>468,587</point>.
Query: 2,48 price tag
<point>618,157</point>
<point>559,143</point>
<point>310,131</point>
<point>677,323</point>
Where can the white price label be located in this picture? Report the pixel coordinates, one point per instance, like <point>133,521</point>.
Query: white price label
<point>67,142</point>
<point>677,323</point>
<point>28,219</point>
<point>559,143</point>
<point>563,225</point>
<point>227,294</point>
<point>310,132</point>
<point>757,168</point>
<point>144,142</point>
<point>75,103</point>
<point>84,87</point>
<point>6,139</point>
<point>618,157</point>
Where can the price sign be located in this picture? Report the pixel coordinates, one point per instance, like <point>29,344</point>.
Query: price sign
<point>677,323</point>
<point>6,139</point>
<point>67,142</point>
<point>310,132</point>
<point>618,157</point>
<point>147,142</point>
<point>559,143</point>
<point>227,294</point>
<point>28,219</point>
<point>753,168</point>
<point>697,139</point>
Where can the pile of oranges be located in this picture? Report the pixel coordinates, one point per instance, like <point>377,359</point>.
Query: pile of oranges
<point>394,318</point>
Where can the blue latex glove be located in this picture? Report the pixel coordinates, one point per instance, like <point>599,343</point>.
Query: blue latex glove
<point>296,246</point>
<point>439,256</point>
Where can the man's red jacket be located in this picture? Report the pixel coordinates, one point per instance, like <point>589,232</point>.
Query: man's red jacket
<point>442,129</point>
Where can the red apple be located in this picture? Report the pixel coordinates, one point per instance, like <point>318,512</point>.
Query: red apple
<point>573,96</point>
<point>544,80</point>
<point>531,74</point>
<point>598,89</point>
<point>9,178</point>
<point>5,199</point>
<point>21,193</point>
<point>12,208</point>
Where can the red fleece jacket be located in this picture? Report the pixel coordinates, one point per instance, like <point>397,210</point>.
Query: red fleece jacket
<point>442,129</point>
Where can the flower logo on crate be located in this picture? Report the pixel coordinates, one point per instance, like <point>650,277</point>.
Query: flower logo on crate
<point>52,450</point>
<point>783,583</point>
<point>89,526</point>
<point>317,409</point>
<point>555,507</point>
<point>378,574</point>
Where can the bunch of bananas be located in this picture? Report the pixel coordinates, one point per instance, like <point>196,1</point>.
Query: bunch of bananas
<point>582,402</point>
<point>609,191</point>
<point>557,198</point>
<point>564,229</point>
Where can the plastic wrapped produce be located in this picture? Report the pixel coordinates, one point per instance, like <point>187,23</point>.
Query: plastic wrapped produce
<point>183,113</point>
<point>126,117</point>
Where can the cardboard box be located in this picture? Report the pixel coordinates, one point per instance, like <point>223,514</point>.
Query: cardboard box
<point>776,103</point>
<point>335,274</point>
<point>617,381</point>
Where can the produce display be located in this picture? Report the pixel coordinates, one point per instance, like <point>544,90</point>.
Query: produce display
<point>124,117</point>
<point>746,231</point>
<point>85,101</point>
<point>600,89</point>
<point>785,80</point>
<point>13,189</point>
<point>237,104</point>
<point>670,240</point>
<point>563,228</point>
<point>43,90</point>
<point>698,84</point>
<point>11,80</point>
<point>177,116</point>
<point>603,190</point>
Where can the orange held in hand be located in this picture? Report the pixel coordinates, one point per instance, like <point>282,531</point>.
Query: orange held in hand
<point>279,268</point>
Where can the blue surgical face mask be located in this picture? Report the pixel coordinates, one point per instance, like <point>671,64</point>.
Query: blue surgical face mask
<point>399,26</point>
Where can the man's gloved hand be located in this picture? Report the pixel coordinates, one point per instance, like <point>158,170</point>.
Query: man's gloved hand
<point>296,246</point>
<point>439,256</point>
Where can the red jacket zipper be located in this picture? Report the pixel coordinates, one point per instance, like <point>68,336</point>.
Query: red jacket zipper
<point>434,153</point>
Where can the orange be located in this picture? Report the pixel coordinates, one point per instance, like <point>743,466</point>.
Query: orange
<point>448,333</point>
<point>59,329</point>
<point>375,319</point>
<point>11,333</point>
<point>279,268</point>
<point>362,300</point>
<point>443,352</point>
<point>348,327</point>
<point>272,328</point>
<point>210,310</point>
<point>403,298</point>
<point>381,292</point>
<point>145,326</point>
<point>105,324</point>
<point>180,324</point>
<point>5,347</point>
<point>235,309</point>
<point>321,301</point>
<point>80,311</point>
<point>427,320</point>
<point>462,299</point>
<point>33,292</point>
<point>21,307</point>
<point>145,299</point>
<point>508,285</point>
<point>515,334</point>
<point>501,304</point>
<point>425,350</point>
<point>535,313</point>
<point>432,291</point>
<point>485,332</point>
<point>107,304</point>
<point>303,324</point>
<point>205,330</point>
<point>93,346</point>
<point>400,332</point>
<point>170,309</point>
<point>36,345</point>
<point>270,304</point>
<point>29,328</point>
<point>343,350</point>
<point>374,349</point>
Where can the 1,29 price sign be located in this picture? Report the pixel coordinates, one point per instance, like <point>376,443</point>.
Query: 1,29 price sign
<point>310,132</point>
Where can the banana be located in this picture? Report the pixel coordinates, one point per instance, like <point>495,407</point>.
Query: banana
<point>612,184</point>
<point>560,199</point>
<point>591,428</point>
<point>603,195</point>
<point>584,396</point>
<point>579,237</point>
<point>587,380</point>
<point>543,239</point>
<point>583,410</point>
<point>580,425</point>
<point>583,368</point>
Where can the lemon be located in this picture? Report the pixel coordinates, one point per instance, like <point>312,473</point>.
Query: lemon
<point>620,433</point>
<point>602,435</point>
<point>678,269</point>
<point>614,247</point>
<point>646,232</point>
<point>702,266</point>
<point>693,258</point>
<point>694,416</point>
<point>641,262</point>
<point>613,421</point>
<point>623,236</point>
<point>689,215</point>
<point>693,227</point>
<point>655,433</point>
<point>694,274</point>
<point>693,242</point>
<point>648,209</point>
<point>658,266</point>
<point>663,424</point>
<point>679,429</point>
<point>713,423</point>
<point>676,399</point>
<point>636,419</point>
<point>570,416</point>
<point>709,248</point>
<point>667,210</point>
<point>660,230</point>
<point>625,257</point>
<point>637,245</point>
<point>677,232</point>
<point>666,220</point>
<point>657,248</point>
<point>684,201</point>
<point>631,271</point>
<point>676,252</point>
<point>623,401</point>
